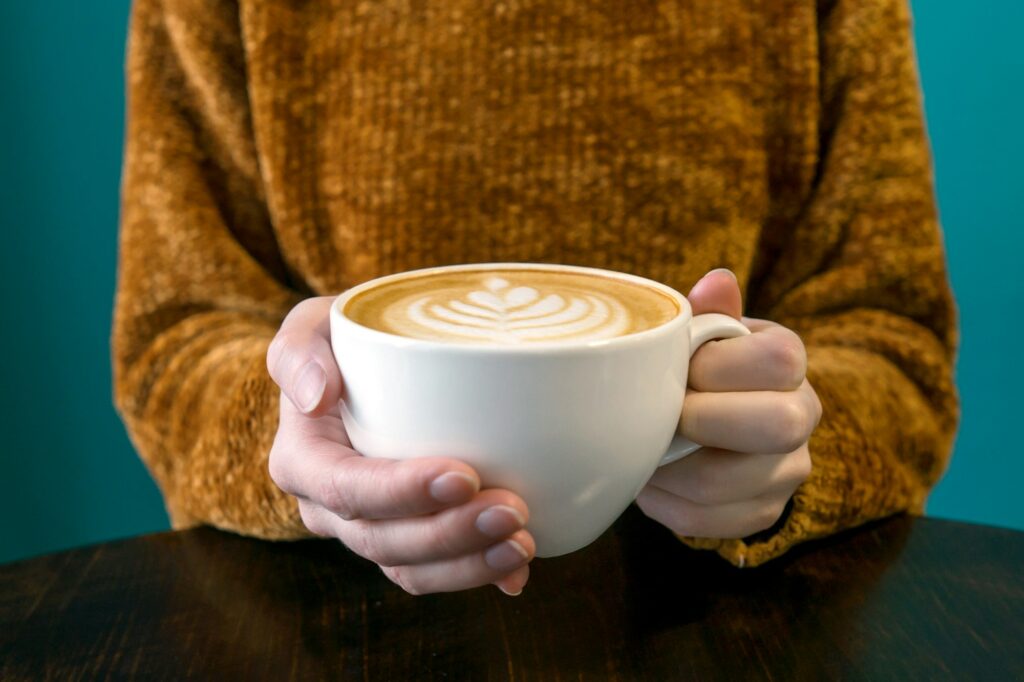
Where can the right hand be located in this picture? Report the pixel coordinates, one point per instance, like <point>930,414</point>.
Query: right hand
<point>425,521</point>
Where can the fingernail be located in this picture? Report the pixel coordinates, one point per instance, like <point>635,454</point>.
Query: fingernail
<point>453,486</point>
<point>509,592</point>
<point>499,521</point>
<point>309,387</point>
<point>725,270</point>
<point>507,556</point>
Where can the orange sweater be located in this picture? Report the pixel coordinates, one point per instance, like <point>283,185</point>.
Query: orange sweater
<point>278,150</point>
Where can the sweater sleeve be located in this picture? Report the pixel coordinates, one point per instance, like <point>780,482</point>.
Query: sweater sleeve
<point>873,305</point>
<point>201,286</point>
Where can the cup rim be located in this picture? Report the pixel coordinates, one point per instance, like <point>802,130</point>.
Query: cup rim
<point>679,320</point>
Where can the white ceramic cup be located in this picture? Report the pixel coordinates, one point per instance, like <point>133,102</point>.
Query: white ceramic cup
<point>575,429</point>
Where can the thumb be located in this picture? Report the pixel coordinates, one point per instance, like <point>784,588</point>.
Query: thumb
<point>301,361</point>
<point>717,292</point>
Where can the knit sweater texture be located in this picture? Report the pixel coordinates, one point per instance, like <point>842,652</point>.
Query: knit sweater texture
<point>279,149</point>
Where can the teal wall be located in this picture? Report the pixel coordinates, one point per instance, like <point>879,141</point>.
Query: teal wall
<point>67,472</point>
<point>971,65</point>
<point>69,476</point>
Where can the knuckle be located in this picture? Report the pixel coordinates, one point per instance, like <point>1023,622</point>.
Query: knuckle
<point>282,345</point>
<point>768,515</point>
<point>281,466</point>
<point>357,540</point>
<point>802,466</point>
<point>376,552</point>
<point>788,358</point>
<point>789,428</point>
<point>360,538</point>
<point>376,546</point>
<point>336,495</point>
<point>816,408</point>
<point>274,352</point>
<point>299,312</point>
<point>276,464</point>
<point>311,520</point>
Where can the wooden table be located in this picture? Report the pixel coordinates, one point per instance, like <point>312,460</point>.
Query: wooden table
<point>904,599</point>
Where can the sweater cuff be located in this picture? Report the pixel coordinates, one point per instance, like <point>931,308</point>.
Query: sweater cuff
<point>873,455</point>
<point>815,510</point>
<point>795,526</point>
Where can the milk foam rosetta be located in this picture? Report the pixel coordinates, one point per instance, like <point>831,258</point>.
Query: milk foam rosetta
<point>511,307</point>
<point>501,313</point>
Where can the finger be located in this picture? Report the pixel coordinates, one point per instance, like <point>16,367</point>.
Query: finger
<point>300,359</point>
<point>717,292</point>
<point>713,477</point>
<point>771,359</point>
<point>356,487</point>
<point>753,421</point>
<point>491,516</point>
<point>736,520</point>
<point>474,570</point>
<point>514,582</point>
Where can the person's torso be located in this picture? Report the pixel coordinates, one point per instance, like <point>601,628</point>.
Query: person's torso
<point>659,137</point>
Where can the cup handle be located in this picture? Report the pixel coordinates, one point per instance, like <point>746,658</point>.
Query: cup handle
<point>703,328</point>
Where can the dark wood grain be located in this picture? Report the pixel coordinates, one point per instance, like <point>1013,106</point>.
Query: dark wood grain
<point>903,599</point>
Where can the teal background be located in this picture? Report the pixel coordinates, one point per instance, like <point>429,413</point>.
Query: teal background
<point>68,473</point>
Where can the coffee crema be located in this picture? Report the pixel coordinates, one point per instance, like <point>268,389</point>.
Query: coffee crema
<point>508,307</point>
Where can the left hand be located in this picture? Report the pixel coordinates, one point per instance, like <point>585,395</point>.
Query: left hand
<point>750,405</point>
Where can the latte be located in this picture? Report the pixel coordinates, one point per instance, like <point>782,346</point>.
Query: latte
<point>506,307</point>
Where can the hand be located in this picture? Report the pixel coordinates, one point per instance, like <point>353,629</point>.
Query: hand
<point>749,404</point>
<point>424,521</point>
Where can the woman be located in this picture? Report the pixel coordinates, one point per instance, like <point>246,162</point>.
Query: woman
<point>279,153</point>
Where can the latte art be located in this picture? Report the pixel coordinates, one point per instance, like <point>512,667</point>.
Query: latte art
<point>502,313</point>
<point>511,307</point>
